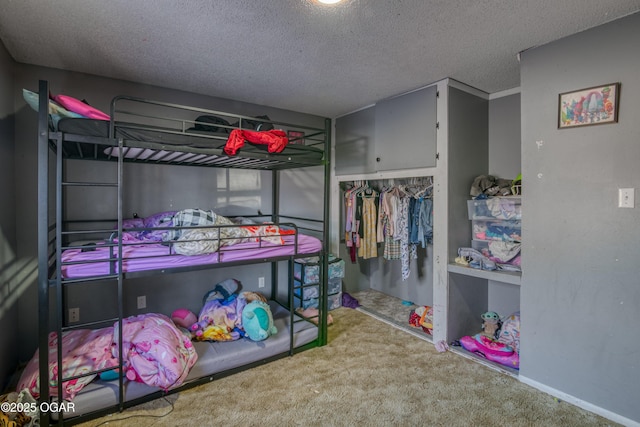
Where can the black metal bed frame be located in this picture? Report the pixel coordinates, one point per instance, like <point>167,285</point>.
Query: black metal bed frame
<point>51,234</point>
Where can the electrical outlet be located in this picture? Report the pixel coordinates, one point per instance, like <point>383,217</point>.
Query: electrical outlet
<point>142,301</point>
<point>626,197</point>
<point>261,282</point>
<point>74,315</point>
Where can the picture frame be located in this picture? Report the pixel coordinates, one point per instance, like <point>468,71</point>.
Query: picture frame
<point>596,105</point>
<point>295,137</point>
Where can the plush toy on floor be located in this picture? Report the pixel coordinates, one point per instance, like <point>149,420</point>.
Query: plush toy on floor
<point>422,317</point>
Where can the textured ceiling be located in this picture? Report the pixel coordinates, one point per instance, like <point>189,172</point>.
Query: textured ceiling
<point>296,54</point>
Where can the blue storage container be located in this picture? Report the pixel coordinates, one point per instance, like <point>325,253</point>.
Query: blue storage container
<point>307,270</point>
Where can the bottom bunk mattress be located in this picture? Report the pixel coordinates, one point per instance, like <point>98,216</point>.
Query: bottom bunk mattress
<point>82,263</point>
<point>213,358</point>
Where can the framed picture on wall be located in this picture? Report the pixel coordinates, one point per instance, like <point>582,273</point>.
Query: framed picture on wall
<point>591,106</point>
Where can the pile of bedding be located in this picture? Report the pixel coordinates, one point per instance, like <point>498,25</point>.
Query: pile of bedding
<point>178,227</point>
<point>153,243</point>
<point>64,106</point>
<point>155,353</point>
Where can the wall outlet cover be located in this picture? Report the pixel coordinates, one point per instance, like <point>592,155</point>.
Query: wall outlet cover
<point>142,301</point>
<point>626,197</point>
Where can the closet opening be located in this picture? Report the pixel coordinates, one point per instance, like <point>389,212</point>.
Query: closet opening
<point>386,235</point>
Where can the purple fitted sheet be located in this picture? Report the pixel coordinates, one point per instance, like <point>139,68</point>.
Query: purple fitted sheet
<point>143,257</point>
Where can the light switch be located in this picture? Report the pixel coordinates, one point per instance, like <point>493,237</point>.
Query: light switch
<point>626,197</point>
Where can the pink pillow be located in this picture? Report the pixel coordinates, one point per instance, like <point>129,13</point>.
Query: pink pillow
<point>77,106</point>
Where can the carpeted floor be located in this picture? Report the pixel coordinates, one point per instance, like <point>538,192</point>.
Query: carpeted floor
<point>370,373</point>
<point>396,312</point>
<point>390,310</point>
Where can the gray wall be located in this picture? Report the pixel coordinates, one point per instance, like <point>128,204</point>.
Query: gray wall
<point>468,157</point>
<point>504,136</point>
<point>150,188</point>
<point>581,281</point>
<point>10,271</point>
<point>468,152</point>
<point>504,162</point>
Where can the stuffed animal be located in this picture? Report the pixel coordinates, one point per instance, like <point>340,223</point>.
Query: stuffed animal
<point>183,318</point>
<point>491,324</point>
<point>257,321</point>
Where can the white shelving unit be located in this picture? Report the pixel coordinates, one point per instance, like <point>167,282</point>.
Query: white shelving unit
<point>512,278</point>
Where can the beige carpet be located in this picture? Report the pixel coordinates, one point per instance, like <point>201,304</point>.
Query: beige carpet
<point>391,310</point>
<point>370,373</point>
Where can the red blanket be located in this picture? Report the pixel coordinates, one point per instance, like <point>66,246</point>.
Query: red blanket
<point>275,140</point>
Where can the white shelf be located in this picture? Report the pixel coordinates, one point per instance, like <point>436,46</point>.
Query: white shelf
<point>499,276</point>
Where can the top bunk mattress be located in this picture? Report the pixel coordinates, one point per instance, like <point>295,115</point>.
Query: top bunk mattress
<point>85,138</point>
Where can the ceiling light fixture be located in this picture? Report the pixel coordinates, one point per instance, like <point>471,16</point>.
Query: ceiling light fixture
<point>329,1</point>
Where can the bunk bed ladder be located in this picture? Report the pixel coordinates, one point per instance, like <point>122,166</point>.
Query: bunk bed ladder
<point>53,142</point>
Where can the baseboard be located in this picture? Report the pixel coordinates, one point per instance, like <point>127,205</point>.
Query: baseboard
<point>485,362</point>
<point>580,403</point>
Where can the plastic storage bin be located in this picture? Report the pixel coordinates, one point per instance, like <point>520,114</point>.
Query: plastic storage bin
<point>505,208</point>
<point>307,270</point>
<point>499,251</point>
<point>333,302</point>
<point>334,286</point>
<point>496,229</point>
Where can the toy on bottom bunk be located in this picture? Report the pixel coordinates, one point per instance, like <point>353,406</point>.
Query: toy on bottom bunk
<point>490,343</point>
<point>183,318</point>
<point>257,321</point>
<point>221,317</point>
<point>422,317</point>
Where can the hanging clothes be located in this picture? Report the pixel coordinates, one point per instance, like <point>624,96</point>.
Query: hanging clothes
<point>399,217</point>
<point>391,244</point>
<point>368,244</point>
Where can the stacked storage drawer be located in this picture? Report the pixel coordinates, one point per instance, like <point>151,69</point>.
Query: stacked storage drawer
<point>306,272</point>
<point>496,228</point>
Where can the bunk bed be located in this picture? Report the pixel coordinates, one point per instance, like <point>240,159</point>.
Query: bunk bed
<point>78,252</point>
